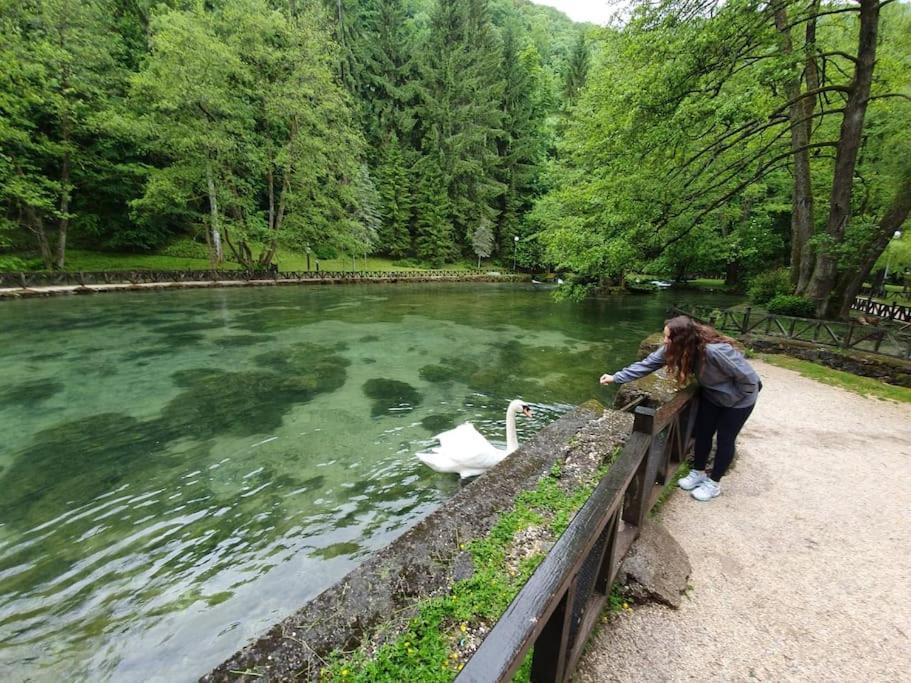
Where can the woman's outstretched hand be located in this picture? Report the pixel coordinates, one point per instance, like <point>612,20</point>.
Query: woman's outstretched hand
<point>607,379</point>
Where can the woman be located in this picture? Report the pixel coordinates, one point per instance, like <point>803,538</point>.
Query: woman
<point>729,390</point>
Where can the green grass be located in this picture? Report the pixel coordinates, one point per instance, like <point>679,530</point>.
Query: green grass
<point>429,649</point>
<point>81,260</point>
<point>706,283</point>
<point>865,386</point>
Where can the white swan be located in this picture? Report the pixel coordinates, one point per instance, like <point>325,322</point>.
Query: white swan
<point>466,451</point>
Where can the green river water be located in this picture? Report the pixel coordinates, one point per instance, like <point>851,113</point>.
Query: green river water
<point>181,470</point>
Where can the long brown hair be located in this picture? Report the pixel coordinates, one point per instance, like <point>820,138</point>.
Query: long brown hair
<point>687,340</point>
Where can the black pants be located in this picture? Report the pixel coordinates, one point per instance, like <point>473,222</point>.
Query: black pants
<point>727,422</point>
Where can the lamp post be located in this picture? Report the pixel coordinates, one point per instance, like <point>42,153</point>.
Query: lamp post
<point>515,252</point>
<point>307,249</point>
<point>895,236</point>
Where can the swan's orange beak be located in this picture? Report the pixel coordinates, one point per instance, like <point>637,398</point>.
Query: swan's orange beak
<point>526,411</point>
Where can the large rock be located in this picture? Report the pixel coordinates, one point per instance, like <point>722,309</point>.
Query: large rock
<point>656,568</point>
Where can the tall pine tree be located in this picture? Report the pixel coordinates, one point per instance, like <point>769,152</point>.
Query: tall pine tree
<point>433,240</point>
<point>395,196</point>
<point>461,110</point>
<point>521,145</point>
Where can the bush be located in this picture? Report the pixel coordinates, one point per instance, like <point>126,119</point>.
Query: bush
<point>326,252</point>
<point>766,286</point>
<point>186,248</point>
<point>789,304</point>
<point>14,264</point>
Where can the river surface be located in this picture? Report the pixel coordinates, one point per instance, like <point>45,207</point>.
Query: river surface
<point>180,470</point>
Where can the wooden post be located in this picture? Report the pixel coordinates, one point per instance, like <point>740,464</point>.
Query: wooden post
<point>849,335</point>
<point>549,660</point>
<point>745,326</point>
<point>635,506</point>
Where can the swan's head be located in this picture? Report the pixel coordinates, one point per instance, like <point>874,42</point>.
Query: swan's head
<point>519,406</point>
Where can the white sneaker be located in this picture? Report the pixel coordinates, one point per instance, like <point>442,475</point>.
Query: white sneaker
<point>692,480</point>
<point>707,490</point>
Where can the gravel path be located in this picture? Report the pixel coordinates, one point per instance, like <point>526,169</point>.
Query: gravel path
<point>802,567</point>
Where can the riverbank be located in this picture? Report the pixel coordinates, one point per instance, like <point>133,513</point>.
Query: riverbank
<point>144,281</point>
<point>797,566</point>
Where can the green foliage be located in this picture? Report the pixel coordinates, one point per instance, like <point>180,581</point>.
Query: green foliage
<point>790,304</point>
<point>428,647</point>
<point>766,286</point>
<point>258,123</point>
<point>434,241</point>
<point>461,115</point>
<point>482,240</point>
<point>394,186</point>
<point>12,264</point>
<point>243,103</point>
<point>185,248</point>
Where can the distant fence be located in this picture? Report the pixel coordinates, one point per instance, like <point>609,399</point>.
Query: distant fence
<point>881,310</point>
<point>882,339</point>
<point>147,277</point>
<point>557,608</point>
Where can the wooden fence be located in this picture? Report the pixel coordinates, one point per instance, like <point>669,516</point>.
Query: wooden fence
<point>881,310</point>
<point>883,339</point>
<point>52,278</point>
<point>557,608</point>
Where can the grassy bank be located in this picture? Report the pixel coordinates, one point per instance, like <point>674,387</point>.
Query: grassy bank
<point>88,261</point>
<point>438,640</point>
<point>865,386</point>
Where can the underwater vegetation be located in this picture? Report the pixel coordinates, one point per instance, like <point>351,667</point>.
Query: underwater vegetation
<point>391,395</point>
<point>29,394</point>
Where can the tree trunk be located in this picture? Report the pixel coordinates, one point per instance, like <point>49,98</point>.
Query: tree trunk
<point>36,227</point>
<point>216,255</point>
<point>801,111</point>
<point>63,226</point>
<point>849,141</point>
<point>892,221</point>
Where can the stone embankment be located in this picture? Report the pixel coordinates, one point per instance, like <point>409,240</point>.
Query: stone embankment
<point>29,285</point>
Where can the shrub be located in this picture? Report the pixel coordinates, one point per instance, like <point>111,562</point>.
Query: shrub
<point>789,304</point>
<point>186,248</point>
<point>326,252</point>
<point>14,264</point>
<point>766,286</point>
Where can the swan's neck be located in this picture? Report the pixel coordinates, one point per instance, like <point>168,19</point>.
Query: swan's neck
<point>512,440</point>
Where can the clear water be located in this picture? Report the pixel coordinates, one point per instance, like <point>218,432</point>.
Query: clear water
<point>181,470</point>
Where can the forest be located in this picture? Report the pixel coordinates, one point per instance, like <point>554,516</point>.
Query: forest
<point>743,138</point>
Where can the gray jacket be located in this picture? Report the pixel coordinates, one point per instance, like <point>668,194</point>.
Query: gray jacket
<point>727,380</point>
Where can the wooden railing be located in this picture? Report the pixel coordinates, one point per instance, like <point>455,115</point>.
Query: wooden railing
<point>882,339</point>
<point>882,310</point>
<point>52,278</point>
<point>557,608</point>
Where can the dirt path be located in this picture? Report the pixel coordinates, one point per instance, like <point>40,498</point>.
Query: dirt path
<point>802,567</point>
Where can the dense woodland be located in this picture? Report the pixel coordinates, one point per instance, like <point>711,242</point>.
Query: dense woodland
<point>699,137</point>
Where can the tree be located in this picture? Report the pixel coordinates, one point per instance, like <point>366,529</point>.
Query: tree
<point>244,105</point>
<point>58,72</point>
<point>693,104</point>
<point>462,117</point>
<point>576,70</point>
<point>521,144</point>
<point>433,239</point>
<point>395,199</point>
<point>482,240</point>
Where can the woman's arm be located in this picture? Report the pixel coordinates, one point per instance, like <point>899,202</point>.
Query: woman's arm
<point>652,362</point>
